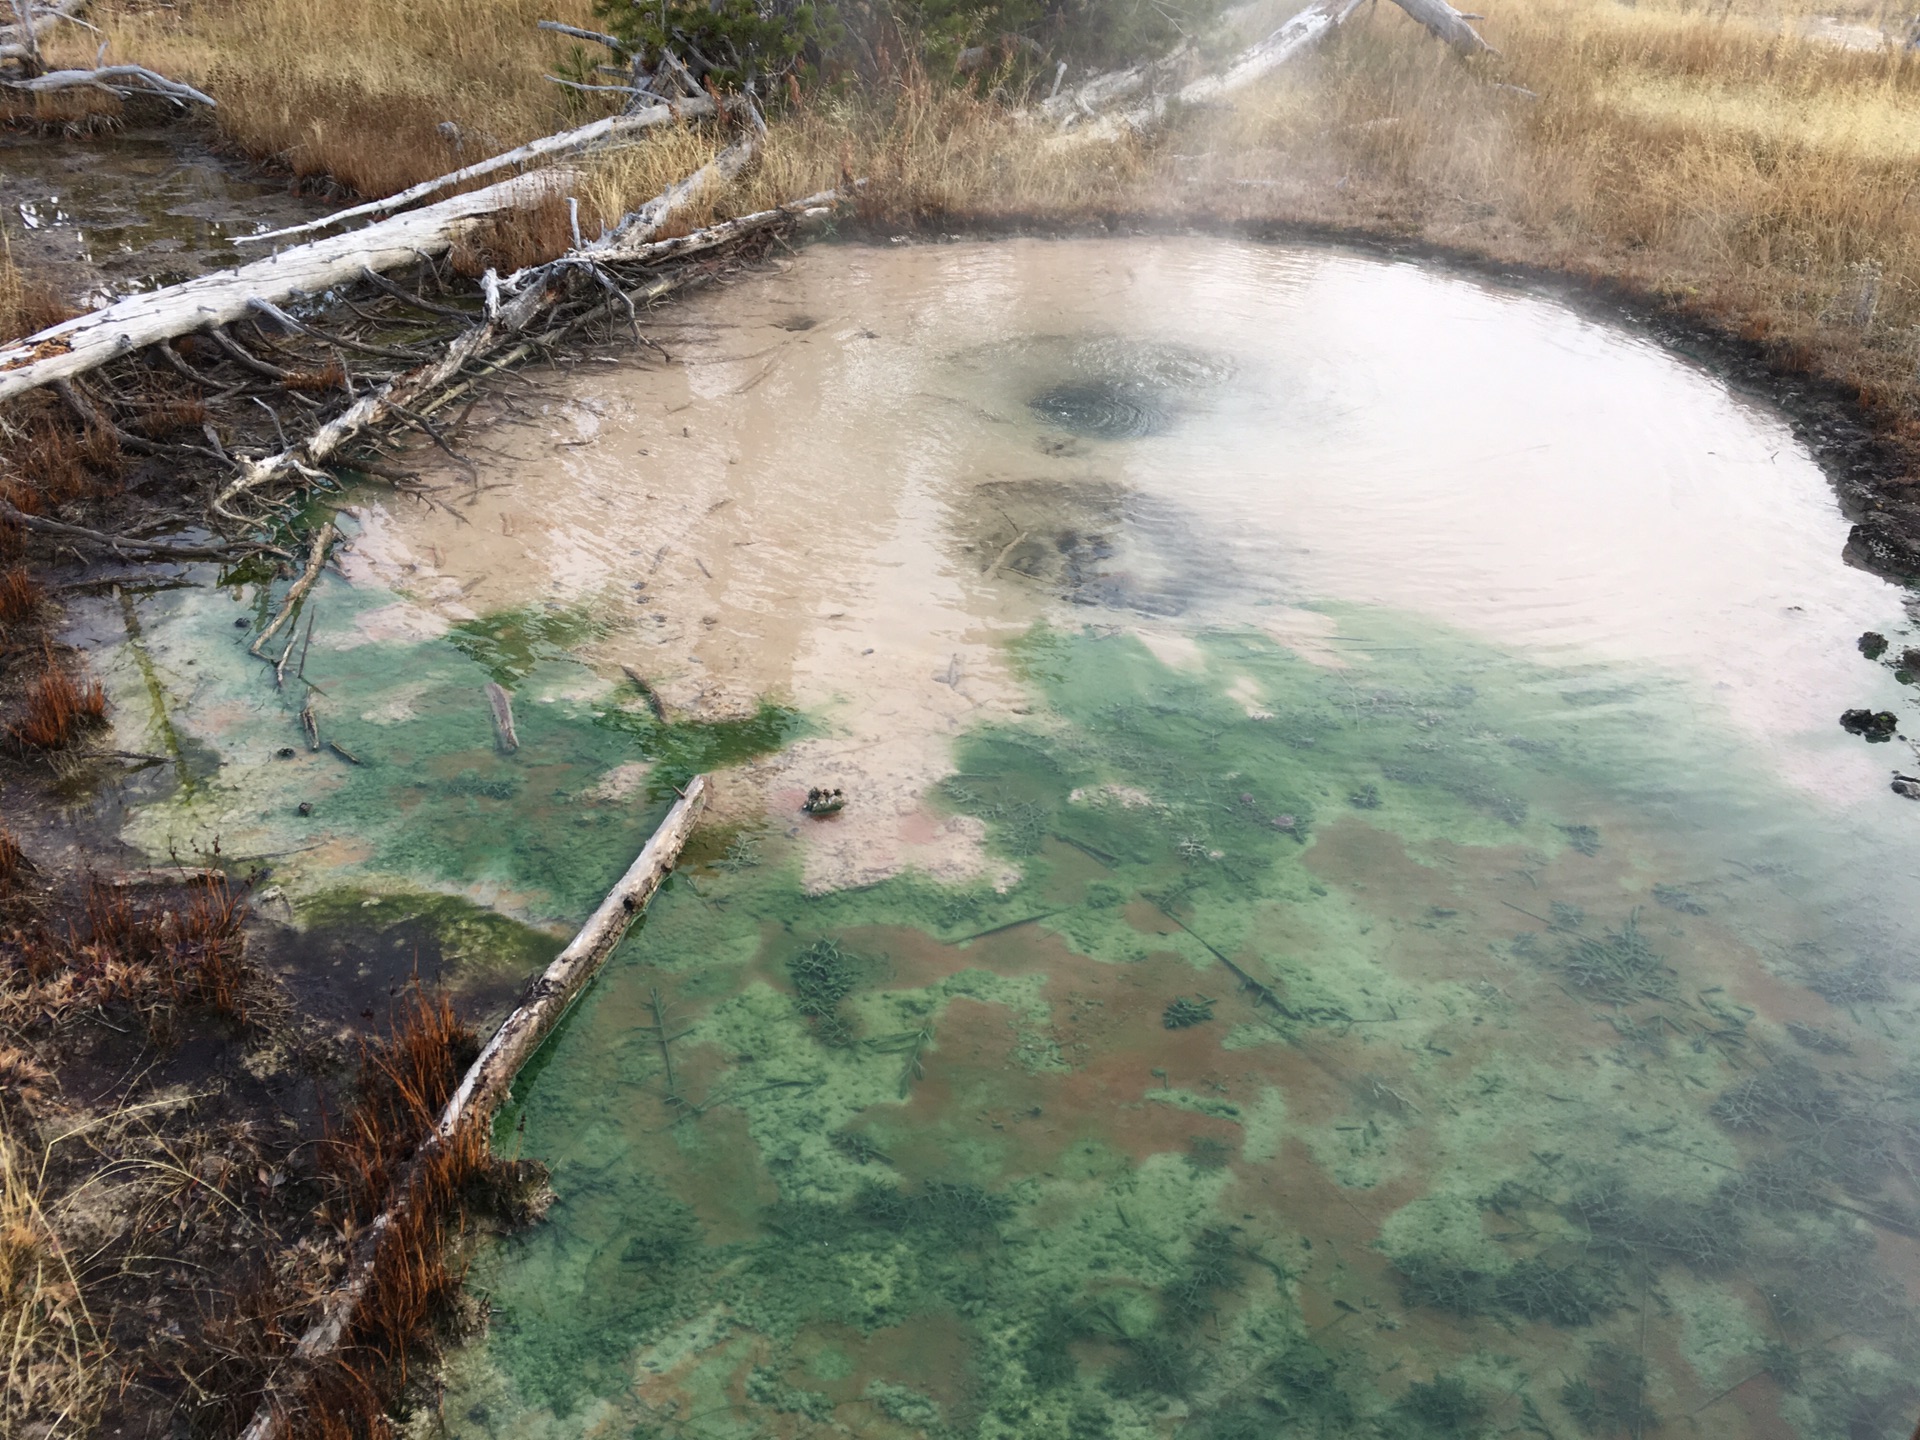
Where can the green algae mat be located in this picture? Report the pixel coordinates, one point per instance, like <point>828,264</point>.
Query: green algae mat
<point>1437,1046</point>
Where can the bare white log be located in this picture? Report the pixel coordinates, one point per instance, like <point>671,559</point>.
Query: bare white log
<point>487,1081</point>
<point>1300,33</point>
<point>1098,92</point>
<point>316,559</point>
<point>1447,24</point>
<point>28,44</point>
<point>501,704</point>
<point>721,232</point>
<point>643,224</point>
<point>21,39</point>
<point>511,305</point>
<point>618,47</point>
<point>135,321</point>
<point>122,80</point>
<point>567,142</point>
<point>520,1033</point>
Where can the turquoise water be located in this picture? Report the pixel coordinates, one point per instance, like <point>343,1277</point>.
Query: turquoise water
<point>1353,915</point>
<point>1539,1068</point>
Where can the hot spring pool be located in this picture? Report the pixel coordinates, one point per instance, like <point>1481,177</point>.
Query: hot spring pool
<point>1354,914</point>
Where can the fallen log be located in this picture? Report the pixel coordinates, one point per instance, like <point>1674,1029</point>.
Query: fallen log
<point>568,142</point>
<point>643,224</point>
<point>316,561</point>
<point>1301,32</point>
<point>502,320</point>
<point>120,80</point>
<point>483,1086</point>
<point>136,321</point>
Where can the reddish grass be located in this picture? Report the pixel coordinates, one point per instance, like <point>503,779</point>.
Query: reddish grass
<point>153,952</point>
<point>20,596</point>
<point>332,377</point>
<point>12,859</point>
<point>403,1084</point>
<point>57,462</point>
<point>58,709</point>
<point>169,417</point>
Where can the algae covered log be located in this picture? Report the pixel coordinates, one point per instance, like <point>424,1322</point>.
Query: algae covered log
<point>485,1082</point>
<point>521,1032</point>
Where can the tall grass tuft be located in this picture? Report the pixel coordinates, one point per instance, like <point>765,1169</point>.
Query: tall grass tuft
<point>52,1355</point>
<point>58,709</point>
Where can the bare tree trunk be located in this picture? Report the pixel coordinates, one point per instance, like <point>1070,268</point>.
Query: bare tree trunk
<point>616,128</point>
<point>139,320</point>
<point>1301,32</point>
<point>486,1081</point>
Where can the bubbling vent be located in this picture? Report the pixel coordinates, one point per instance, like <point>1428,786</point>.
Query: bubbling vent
<point>1127,389</point>
<point>1102,410</point>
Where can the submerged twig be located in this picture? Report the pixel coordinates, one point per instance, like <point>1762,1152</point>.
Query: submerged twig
<point>502,706</point>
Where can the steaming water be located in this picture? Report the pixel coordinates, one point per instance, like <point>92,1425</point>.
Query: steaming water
<point>1354,915</point>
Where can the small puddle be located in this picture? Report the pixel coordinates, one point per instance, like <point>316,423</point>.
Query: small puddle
<point>1353,912</point>
<point>133,210</point>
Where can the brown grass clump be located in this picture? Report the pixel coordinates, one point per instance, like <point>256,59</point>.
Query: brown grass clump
<point>519,238</point>
<point>368,1163</point>
<point>27,305</point>
<point>56,460</point>
<point>58,708</point>
<point>154,955</point>
<point>13,860</point>
<point>331,376</point>
<point>162,418</point>
<point>157,955</point>
<point>20,596</point>
<point>404,1083</point>
<point>25,1086</point>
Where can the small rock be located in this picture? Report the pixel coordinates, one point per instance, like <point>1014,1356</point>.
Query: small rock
<point>1906,787</point>
<point>1910,659</point>
<point>1873,644</point>
<point>241,623</point>
<point>824,802</point>
<point>305,807</point>
<point>285,752</point>
<point>1873,725</point>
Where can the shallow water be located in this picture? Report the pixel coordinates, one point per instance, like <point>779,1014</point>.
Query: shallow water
<point>134,210</point>
<point>1354,914</point>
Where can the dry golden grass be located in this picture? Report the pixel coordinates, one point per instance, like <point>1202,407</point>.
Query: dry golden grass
<point>55,1375</point>
<point>358,90</point>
